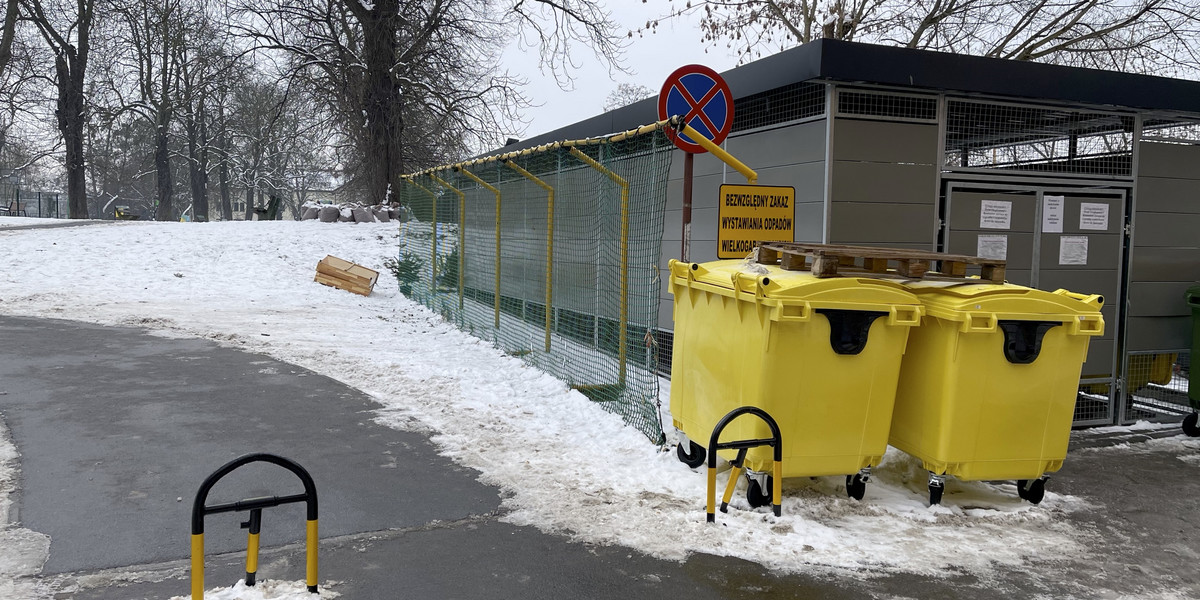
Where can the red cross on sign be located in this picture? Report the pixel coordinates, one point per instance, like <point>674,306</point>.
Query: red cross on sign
<point>701,97</point>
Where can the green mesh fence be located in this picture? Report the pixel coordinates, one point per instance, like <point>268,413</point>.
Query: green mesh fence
<point>551,254</point>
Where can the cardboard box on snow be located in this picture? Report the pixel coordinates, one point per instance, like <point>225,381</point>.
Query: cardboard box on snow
<point>345,275</point>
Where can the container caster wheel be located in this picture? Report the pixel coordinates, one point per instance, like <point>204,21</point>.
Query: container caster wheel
<point>1032,490</point>
<point>692,457</point>
<point>937,485</point>
<point>856,485</point>
<point>1190,427</point>
<point>756,496</point>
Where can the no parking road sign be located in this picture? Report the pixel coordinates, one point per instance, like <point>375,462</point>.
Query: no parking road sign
<point>698,95</point>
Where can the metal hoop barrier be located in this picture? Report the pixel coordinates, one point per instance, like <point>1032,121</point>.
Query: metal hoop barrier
<point>255,506</point>
<point>775,441</point>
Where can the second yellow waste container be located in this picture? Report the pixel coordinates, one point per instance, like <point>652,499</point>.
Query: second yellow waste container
<point>988,385</point>
<point>821,356</point>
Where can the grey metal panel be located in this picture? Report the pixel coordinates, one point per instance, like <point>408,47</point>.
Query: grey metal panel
<point>1082,282</point>
<point>809,221</point>
<point>1159,333</point>
<point>1099,362</point>
<point>807,178</point>
<point>860,222</point>
<point>965,208</point>
<point>1158,299</point>
<point>788,145</point>
<point>1169,160</point>
<point>1165,229</point>
<point>882,141</point>
<point>883,182</point>
<point>672,230</point>
<point>1018,276</point>
<point>1020,245</point>
<point>704,225</point>
<point>1162,194</point>
<point>1104,252</point>
<point>1165,264</point>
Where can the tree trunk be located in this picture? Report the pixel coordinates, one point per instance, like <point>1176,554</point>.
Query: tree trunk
<point>250,203</point>
<point>198,161</point>
<point>162,167</point>
<point>381,102</point>
<point>223,172</point>
<point>70,119</point>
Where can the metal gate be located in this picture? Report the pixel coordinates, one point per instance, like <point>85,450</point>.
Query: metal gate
<point>1053,236</point>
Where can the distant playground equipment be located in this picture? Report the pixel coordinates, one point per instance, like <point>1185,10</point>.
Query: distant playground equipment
<point>255,506</point>
<point>123,213</point>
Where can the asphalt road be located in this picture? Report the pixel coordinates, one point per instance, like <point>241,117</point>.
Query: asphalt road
<point>117,428</point>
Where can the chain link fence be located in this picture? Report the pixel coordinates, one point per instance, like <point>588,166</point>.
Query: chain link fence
<point>1156,386</point>
<point>551,254</point>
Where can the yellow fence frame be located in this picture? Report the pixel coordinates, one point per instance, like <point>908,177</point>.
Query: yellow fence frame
<point>495,191</point>
<point>549,243</point>
<point>624,311</point>
<point>433,258</point>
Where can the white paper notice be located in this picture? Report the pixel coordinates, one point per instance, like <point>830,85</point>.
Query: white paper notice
<point>1093,216</point>
<point>995,214</point>
<point>992,246</point>
<point>1052,213</point>
<point>1072,250</point>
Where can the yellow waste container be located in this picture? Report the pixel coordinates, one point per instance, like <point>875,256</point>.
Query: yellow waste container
<point>987,388</point>
<point>820,355</point>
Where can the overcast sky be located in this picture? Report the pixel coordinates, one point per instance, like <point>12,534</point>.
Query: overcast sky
<point>649,59</point>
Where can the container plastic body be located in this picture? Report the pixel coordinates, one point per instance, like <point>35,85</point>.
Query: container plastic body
<point>821,356</point>
<point>988,386</point>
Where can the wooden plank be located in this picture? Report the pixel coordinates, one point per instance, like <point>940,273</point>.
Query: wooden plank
<point>954,268</point>
<point>342,284</point>
<point>824,266</point>
<point>993,273</point>
<point>343,274</point>
<point>792,261</point>
<point>913,268</point>
<point>768,255</point>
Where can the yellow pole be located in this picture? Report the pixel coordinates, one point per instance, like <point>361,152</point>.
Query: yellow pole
<point>198,566</point>
<point>434,285</point>
<point>711,504</point>
<point>310,567</point>
<point>624,314</point>
<point>720,153</point>
<point>462,248</point>
<point>495,191</point>
<point>549,244</point>
<point>251,556</point>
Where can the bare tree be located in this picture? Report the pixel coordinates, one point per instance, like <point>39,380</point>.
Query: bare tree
<point>1132,35</point>
<point>8,30</point>
<point>67,31</point>
<point>387,65</point>
<point>626,94</point>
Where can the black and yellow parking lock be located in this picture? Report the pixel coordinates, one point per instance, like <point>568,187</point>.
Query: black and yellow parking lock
<point>254,525</point>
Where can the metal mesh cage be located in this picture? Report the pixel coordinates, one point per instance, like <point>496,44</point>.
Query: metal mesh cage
<point>994,135</point>
<point>781,105</point>
<point>551,255</point>
<point>1164,128</point>
<point>1157,386</point>
<point>884,104</point>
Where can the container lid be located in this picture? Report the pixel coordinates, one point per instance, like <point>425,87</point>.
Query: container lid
<point>981,306</point>
<point>771,283</point>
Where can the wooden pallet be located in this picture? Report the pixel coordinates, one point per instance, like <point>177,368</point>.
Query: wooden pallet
<point>345,275</point>
<point>831,260</point>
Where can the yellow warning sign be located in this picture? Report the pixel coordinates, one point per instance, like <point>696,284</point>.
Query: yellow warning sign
<point>750,214</point>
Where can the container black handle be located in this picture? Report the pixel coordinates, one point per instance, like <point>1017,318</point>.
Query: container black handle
<point>848,329</point>
<point>1023,339</point>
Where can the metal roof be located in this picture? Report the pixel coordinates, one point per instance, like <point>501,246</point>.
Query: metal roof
<point>921,70</point>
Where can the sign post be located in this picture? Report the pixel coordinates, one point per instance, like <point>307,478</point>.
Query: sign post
<point>702,98</point>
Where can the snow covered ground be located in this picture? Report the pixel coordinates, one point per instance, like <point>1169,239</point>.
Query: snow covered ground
<point>567,466</point>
